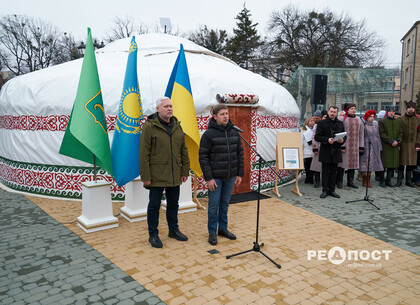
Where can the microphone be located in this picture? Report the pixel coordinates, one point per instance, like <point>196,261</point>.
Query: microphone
<point>237,128</point>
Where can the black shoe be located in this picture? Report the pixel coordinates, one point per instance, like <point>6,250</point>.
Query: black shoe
<point>351,184</point>
<point>155,242</point>
<point>317,184</point>
<point>178,236</point>
<point>226,234</point>
<point>323,195</point>
<point>410,184</point>
<point>212,239</point>
<point>340,184</point>
<point>334,194</point>
<point>382,184</point>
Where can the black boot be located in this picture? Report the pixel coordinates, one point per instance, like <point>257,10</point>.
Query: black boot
<point>400,176</point>
<point>339,177</point>
<point>381,178</point>
<point>408,177</point>
<point>317,176</point>
<point>389,173</point>
<point>350,179</point>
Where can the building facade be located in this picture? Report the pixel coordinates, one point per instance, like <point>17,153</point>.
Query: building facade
<point>410,65</point>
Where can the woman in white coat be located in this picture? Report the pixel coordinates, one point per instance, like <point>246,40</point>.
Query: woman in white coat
<point>308,154</point>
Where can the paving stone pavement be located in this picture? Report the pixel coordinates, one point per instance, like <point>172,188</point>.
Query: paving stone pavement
<point>397,222</point>
<point>43,262</point>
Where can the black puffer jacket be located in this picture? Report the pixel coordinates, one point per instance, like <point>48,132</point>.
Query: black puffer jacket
<point>221,154</point>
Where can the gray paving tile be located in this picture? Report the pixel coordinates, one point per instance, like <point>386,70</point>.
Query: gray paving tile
<point>397,222</point>
<point>43,262</point>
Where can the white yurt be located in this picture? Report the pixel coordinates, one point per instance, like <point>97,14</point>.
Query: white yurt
<point>35,108</point>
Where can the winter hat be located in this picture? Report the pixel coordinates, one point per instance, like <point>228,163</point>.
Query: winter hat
<point>318,113</point>
<point>382,114</point>
<point>347,106</point>
<point>411,104</point>
<point>390,108</point>
<point>369,113</point>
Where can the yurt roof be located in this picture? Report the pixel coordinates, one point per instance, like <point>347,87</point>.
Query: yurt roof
<point>52,90</point>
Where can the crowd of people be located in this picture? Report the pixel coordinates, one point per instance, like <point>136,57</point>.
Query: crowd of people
<point>385,146</point>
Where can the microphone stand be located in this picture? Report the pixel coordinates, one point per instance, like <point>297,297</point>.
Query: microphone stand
<point>366,198</point>
<point>257,246</point>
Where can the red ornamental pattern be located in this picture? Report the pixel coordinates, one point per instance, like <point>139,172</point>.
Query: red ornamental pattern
<point>47,122</point>
<point>71,182</point>
<point>31,178</point>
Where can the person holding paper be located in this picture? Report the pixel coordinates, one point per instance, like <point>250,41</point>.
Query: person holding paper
<point>330,150</point>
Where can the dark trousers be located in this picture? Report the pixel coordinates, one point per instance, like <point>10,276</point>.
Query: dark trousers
<point>155,196</point>
<point>329,173</point>
<point>309,174</point>
<point>416,176</point>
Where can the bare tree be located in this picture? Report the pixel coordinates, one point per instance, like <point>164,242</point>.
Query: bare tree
<point>28,44</point>
<point>121,28</point>
<point>314,39</point>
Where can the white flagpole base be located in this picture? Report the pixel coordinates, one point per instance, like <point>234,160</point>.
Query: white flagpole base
<point>97,212</point>
<point>186,204</point>
<point>136,201</point>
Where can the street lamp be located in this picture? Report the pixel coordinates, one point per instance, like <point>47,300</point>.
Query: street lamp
<point>82,48</point>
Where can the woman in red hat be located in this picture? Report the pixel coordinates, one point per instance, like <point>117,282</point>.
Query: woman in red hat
<point>374,153</point>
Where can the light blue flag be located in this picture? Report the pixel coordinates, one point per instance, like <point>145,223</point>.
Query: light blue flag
<point>125,145</point>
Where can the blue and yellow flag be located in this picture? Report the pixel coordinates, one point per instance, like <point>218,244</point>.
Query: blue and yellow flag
<point>125,145</point>
<point>179,90</point>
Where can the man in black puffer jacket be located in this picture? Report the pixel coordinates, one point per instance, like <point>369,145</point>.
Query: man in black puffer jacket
<point>221,159</point>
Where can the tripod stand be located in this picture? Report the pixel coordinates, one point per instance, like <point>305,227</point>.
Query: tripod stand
<point>257,246</point>
<point>366,198</point>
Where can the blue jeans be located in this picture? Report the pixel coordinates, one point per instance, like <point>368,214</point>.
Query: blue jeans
<point>219,204</point>
<point>155,196</point>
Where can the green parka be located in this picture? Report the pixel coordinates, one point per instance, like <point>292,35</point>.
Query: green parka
<point>390,130</point>
<point>163,157</point>
<point>410,139</point>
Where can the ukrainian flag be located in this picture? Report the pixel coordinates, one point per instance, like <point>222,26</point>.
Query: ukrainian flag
<point>125,145</point>
<point>179,90</point>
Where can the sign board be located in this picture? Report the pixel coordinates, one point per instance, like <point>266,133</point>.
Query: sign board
<point>289,151</point>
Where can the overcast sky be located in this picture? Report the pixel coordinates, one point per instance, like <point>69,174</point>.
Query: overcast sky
<point>390,19</point>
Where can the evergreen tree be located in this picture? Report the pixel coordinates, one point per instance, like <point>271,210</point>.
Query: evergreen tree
<point>214,40</point>
<point>242,47</point>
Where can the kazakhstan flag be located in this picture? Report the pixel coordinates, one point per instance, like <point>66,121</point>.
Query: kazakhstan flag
<point>125,145</point>
<point>179,90</point>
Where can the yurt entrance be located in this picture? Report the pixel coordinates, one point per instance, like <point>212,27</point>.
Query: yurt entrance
<point>241,117</point>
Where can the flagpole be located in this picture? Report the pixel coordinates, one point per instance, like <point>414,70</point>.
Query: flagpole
<point>94,167</point>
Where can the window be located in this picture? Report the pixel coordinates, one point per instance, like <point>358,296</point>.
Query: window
<point>372,106</point>
<point>387,86</point>
<point>412,39</point>
<point>408,46</point>
<point>409,76</point>
<point>406,76</point>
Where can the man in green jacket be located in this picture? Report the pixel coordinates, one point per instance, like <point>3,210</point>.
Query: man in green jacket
<point>391,134</point>
<point>164,164</point>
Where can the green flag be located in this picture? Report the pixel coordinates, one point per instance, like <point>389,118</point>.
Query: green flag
<point>86,133</point>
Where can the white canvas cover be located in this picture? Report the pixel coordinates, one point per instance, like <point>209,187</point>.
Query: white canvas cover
<point>34,107</point>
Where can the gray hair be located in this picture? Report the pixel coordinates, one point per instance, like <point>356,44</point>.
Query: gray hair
<point>161,99</point>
